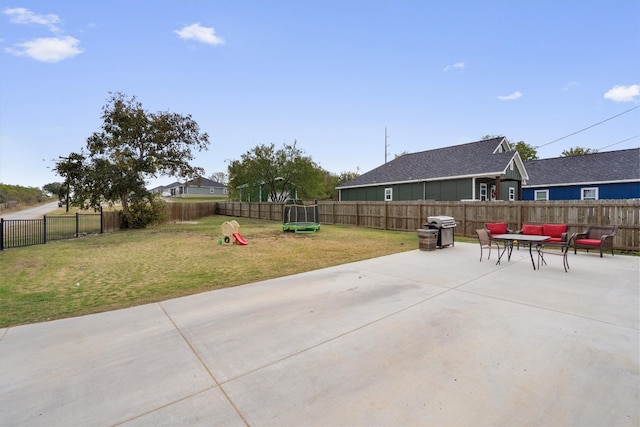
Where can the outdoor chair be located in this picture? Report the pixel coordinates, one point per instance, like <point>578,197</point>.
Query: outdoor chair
<point>595,237</point>
<point>485,242</point>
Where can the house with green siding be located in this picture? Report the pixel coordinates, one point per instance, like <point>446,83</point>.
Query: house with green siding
<point>483,170</point>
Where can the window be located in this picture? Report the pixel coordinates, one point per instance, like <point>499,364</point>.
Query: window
<point>541,195</point>
<point>589,193</point>
<point>212,190</point>
<point>388,194</point>
<point>483,192</point>
<point>224,190</point>
<point>512,193</point>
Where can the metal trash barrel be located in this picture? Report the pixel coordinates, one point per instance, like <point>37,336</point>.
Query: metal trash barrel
<point>427,239</point>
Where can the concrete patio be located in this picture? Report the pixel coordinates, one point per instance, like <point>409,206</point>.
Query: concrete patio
<point>417,338</point>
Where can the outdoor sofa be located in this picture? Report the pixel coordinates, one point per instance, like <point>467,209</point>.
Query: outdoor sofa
<point>558,233</point>
<point>495,228</point>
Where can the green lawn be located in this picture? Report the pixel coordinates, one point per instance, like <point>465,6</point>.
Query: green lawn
<point>105,272</point>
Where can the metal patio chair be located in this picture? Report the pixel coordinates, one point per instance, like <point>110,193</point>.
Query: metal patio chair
<point>485,242</point>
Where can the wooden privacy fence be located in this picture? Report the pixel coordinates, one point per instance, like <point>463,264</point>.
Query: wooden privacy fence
<point>189,211</point>
<point>410,216</point>
<point>111,221</point>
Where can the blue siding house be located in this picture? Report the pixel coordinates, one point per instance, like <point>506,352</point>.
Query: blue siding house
<point>605,175</point>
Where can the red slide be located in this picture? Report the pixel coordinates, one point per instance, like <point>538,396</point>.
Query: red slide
<point>239,239</point>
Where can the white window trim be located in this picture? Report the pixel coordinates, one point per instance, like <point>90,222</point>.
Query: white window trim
<point>388,194</point>
<point>483,192</point>
<point>584,189</point>
<point>512,193</point>
<point>545,192</point>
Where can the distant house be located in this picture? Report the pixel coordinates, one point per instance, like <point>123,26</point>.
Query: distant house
<point>198,187</point>
<point>605,175</point>
<point>173,190</point>
<point>482,170</point>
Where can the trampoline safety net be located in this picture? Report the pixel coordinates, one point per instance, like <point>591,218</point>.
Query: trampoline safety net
<point>300,218</point>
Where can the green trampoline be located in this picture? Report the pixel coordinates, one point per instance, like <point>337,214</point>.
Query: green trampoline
<point>300,218</point>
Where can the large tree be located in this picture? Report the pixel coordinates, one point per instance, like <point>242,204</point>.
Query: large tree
<point>132,146</point>
<point>57,189</point>
<point>578,151</point>
<point>526,151</point>
<point>268,174</point>
<point>331,181</point>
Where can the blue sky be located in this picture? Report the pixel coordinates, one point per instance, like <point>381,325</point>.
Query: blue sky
<point>329,74</point>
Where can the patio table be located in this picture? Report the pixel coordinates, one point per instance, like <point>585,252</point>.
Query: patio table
<point>509,238</point>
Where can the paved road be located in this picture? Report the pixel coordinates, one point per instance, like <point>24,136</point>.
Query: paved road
<point>32,213</point>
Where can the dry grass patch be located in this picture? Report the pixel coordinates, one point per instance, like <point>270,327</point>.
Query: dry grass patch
<point>99,273</point>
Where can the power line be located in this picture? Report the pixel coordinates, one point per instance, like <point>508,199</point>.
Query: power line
<point>588,127</point>
<point>619,142</point>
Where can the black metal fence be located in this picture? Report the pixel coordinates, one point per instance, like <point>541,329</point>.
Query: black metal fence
<point>15,233</point>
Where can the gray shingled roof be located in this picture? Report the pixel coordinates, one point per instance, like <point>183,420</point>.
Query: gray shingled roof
<point>609,166</point>
<point>471,159</point>
<point>204,182</point>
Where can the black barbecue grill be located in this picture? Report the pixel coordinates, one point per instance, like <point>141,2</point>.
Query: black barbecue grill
<point>445,226</point>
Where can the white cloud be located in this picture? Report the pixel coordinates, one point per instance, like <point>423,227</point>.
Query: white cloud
<point>620,93</point>
<point>20,15</point>
<point>199,33</point>
<point>48,49</point>
<point>514,95</point>
<point>45,49</point>
<point>458,66</point>
<point>570,86</point>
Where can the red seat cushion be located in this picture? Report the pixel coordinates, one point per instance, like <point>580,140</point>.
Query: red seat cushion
<point>497,227</point>
<point>554,230</point>
<point>588,242</point>
<point>555,240</point>
<point>533,230</point>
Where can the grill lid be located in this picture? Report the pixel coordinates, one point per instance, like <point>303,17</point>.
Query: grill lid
<point>442,221</point>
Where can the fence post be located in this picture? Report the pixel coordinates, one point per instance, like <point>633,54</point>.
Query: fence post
<point>1,234</point>
<point>464,219</point>
<point>600,207</point>
<point>333,212</point>
<point>77,223</point>
<point>101,221</point>
<point>44,229</point>
<point>385,215</point>
<point>519,214</point>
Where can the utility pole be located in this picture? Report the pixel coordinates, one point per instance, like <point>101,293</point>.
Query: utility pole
<point>385,144</point>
